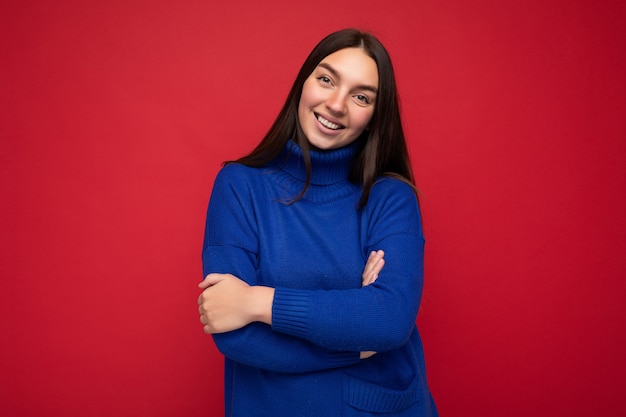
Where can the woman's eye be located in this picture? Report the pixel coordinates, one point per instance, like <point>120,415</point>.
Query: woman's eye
<point>324,79</point>
<point>362,98</point>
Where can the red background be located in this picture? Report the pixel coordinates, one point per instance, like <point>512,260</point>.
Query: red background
<point>115,117</point>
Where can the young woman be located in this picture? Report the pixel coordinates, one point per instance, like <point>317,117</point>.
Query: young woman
<point>313,252</point>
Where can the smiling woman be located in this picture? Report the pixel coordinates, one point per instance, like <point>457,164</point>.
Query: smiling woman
<point>313,251</point>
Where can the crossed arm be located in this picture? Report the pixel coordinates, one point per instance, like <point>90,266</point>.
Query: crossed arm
<point>228,303</point>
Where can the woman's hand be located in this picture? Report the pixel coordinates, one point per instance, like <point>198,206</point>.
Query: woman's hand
<point>220,304</point>
<point>373,266</point>
<point>228,303</point>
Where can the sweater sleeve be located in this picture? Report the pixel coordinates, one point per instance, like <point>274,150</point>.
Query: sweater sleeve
<point>231,246</point>
<point>380,316</point>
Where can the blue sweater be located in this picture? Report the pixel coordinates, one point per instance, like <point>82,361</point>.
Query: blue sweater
<point>313,253</point>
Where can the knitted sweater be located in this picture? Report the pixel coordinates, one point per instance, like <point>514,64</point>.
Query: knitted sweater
<point>313,252</point>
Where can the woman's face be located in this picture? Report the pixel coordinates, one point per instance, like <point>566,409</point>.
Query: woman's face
<point>338,99</point>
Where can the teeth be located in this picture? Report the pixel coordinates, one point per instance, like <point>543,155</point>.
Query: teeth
<point>328,123</point>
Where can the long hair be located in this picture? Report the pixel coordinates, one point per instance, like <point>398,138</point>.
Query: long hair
<point>384,151</point>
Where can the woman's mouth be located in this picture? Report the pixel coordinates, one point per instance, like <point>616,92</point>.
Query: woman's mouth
<point>327,123</point>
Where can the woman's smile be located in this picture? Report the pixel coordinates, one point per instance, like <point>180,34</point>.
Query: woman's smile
<point>327,123</point>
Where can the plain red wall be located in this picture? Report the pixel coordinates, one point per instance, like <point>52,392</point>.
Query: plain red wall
<point>115,117</point>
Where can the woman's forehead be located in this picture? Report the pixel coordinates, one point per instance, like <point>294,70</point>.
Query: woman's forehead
<point>352,64</point>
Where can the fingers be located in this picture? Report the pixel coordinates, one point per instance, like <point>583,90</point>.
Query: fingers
<point>367,354</point>
<point>204,317</point>
<point>373,266</point>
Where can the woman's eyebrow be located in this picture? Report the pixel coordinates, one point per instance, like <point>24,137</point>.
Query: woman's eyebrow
<point>338,76</point>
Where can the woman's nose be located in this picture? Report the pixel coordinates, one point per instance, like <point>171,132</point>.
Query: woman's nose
<point>336,102</point>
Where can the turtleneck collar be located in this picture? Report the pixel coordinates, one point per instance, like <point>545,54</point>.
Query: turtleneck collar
<point>329,173</point>
<point>327,167</point>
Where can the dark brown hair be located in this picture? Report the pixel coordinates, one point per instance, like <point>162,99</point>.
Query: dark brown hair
<point>384,151</point>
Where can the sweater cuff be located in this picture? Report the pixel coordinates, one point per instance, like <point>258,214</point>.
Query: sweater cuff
<point>338,359</point>
<point>290,311</point>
